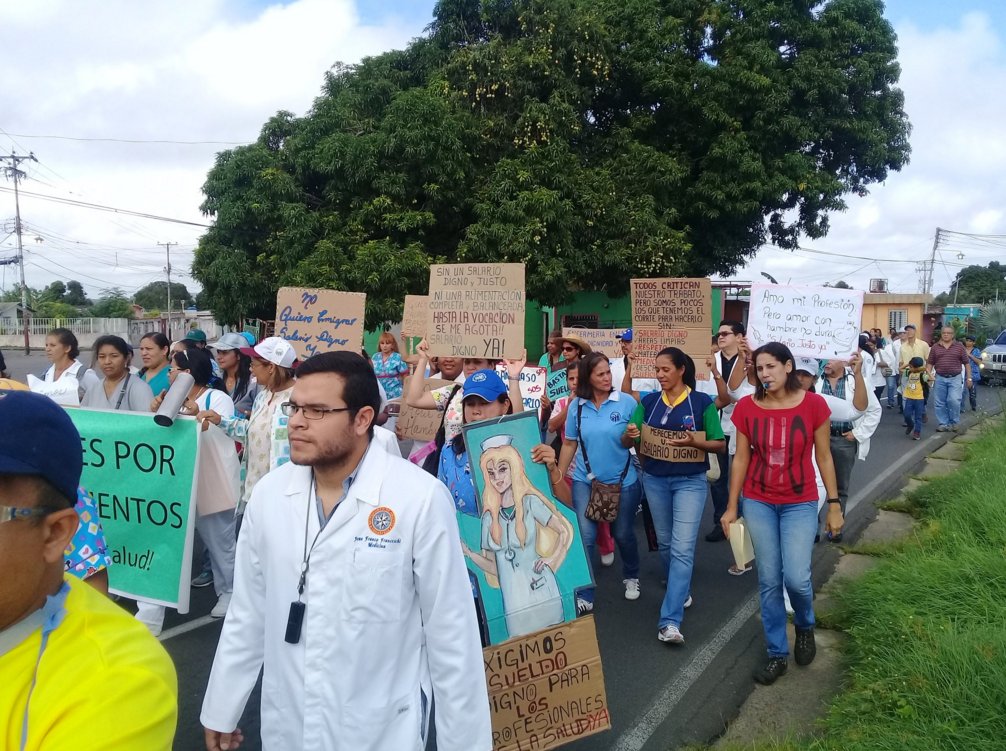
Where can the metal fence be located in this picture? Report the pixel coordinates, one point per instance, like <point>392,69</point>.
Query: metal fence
<point>79,326</point>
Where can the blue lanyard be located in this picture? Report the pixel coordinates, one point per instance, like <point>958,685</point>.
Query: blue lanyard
<point>53,613</point>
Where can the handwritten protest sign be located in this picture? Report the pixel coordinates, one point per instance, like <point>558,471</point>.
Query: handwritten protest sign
<point>671,313</point>
<point>421,424</point>
<point>671,303</point>
<point>320,320</point>
<point>532,385</point>
<point>646,343</point>
<point>557,386</point>
<point>656,444</point>
<point>141,477</point>
<point>476,310</point>
<point>416,315</point>
<point>546,689</point>
<point>817,322</point>
<point>604,341</point>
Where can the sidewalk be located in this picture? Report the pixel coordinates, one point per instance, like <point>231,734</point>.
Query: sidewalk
<point>806,708</point>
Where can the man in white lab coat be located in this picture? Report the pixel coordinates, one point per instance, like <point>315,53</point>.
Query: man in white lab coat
<point>351,589</point>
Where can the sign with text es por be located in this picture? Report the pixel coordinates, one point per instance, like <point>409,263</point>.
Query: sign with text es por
<point>320,320</point>
<point>476,310</point>
<point>141,477</point>
<point>546,689</point>
<point>817,322</point>
<point>658,444</point>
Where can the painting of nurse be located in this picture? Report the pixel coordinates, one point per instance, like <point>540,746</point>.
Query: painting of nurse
<point>524,540</point>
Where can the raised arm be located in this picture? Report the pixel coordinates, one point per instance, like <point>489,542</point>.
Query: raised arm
<point>415,395</point>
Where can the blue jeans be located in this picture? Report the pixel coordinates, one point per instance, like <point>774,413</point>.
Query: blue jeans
<point>783,538</point>
<point>914,409</point>
<point>622,529</point>
<point>948,399</point>
<point>676,505</point>
<point>892,390</point>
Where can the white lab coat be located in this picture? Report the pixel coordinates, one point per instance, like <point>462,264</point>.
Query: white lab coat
<point>708,386</point>
<point>864,426</point>
<point>389,620</point>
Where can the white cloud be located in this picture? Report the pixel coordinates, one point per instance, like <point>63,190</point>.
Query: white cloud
<point>180,70</point>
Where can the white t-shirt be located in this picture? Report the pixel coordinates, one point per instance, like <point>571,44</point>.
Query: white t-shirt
<point>219,401</point>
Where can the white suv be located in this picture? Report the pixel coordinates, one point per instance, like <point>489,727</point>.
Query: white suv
<point>993,365</point>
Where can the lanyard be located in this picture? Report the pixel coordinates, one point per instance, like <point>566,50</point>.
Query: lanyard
<point>53,613</point>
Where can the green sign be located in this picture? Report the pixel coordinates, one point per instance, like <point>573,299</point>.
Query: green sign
<point>140,476</point>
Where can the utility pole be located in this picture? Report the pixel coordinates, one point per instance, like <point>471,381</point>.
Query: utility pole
<point>167,249</point>
<point>932,263</point>
<point>13,172</point>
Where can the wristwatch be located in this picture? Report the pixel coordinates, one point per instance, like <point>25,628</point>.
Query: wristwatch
<point>834,500</point>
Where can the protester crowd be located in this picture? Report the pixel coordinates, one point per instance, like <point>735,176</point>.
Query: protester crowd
<point>337,551</point>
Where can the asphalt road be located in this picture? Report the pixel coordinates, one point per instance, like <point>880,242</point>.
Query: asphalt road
<point>660,697</point>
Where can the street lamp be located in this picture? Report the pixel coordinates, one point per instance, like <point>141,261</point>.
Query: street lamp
<point>957,286</point>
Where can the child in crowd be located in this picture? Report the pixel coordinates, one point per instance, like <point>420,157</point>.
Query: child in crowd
<point>914,398</point>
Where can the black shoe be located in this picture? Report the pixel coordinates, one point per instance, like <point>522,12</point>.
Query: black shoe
<point>716,535</point>
<point>806,647</point>
<point>908,429</point>
<point>775,667</point>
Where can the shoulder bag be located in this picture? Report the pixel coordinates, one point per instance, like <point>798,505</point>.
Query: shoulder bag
<point>604,496</point>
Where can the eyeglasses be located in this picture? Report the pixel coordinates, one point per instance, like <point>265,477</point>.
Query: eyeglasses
<point>311,413</point>
<point>13,513</point>
<point>724,333</point>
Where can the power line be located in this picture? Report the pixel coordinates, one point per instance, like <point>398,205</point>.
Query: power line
<point>100,207</point>
<point>128,140</point>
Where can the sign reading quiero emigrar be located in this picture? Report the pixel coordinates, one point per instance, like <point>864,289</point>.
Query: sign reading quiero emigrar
<point>320,320</point>
<point>141,477</point>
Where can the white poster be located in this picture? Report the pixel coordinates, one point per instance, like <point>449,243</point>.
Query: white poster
<point>818,322</point>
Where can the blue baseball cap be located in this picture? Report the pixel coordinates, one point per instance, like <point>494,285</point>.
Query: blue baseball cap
<point>40,439</point>
<point>625,336</point>
<point>485,384</point>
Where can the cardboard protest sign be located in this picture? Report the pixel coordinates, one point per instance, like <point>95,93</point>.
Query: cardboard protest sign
<point>656,444</point>
<point>421,424</point>
<point>476,310</point>
<point>556,385</point>
<point>416,315</point>
<point>816,322</point>
<point>141,477</point>
<point>518,523</point>
<point>671,313</point>
<point>320,320</point>
<point>604,341</point>
<point>546,689</point>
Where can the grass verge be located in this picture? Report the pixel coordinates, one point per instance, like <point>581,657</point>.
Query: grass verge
<point>927,627</point>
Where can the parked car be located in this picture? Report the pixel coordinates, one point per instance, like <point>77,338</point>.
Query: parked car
<point>994,361</point>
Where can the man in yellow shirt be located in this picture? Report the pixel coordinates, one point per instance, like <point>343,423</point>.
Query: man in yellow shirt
<point>77,671</point>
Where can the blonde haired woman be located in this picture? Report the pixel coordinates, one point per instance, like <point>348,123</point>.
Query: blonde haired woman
<point>524,540</point>
<point>389,365</point>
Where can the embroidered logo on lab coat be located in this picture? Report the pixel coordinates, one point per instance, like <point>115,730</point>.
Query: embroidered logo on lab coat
<point>381,521</point>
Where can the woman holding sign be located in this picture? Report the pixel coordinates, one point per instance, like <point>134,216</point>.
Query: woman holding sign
<point>595,426</point>
<point>673,430</point>
<point>781,431</point>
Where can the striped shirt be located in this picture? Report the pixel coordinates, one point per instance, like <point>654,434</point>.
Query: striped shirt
<point>948,361</point>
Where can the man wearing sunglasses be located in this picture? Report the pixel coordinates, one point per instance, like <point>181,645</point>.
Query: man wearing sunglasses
<point>350,590</point>
<point>77,671</point>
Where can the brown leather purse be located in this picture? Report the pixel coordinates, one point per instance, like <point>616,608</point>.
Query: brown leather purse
<point>605,497</point>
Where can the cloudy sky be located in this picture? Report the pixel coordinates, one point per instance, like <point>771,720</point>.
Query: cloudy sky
<point>125,105</point>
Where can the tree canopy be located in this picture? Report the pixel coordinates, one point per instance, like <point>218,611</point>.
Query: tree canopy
<point>154,296</point>
<point>977,284</point>
<point>593,140</point>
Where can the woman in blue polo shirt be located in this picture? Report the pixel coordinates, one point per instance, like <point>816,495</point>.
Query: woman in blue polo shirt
<point>595,434</point>
<point>676,490</point>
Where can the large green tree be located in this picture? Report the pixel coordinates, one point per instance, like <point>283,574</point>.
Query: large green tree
<point>593,140</point>
<point>977,284</point>
<point>154,296</point>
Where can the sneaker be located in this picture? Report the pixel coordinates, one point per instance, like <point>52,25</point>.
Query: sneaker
<point>607,559</point>
<point>631,589</point>
<point>908,429</point>
<point>954,428</point>
<point>688,601</point>
<point>716,535</point>
<point>670,634</point>
<point>773,669</point>
<point>806,647</point>
<point>204,579</point>
<point>916,436</point>
<point>942,428</point>
<point>583,606</point>
<point>220,609</point>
